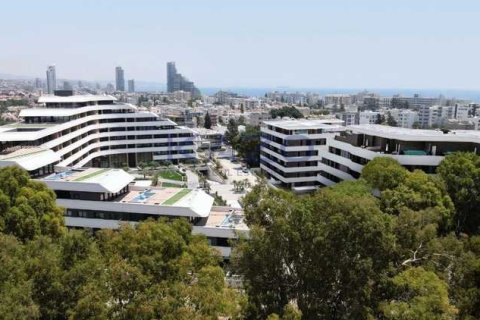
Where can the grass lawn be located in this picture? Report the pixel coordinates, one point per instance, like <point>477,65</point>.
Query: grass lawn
<point>171,185</point>
<point>170,175</point>
<point>176,197</point>
<point>91,175</point>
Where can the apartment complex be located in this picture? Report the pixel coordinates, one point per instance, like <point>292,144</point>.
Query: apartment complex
<point>93,131</point>
<point>306,154</point>
<point>96,198</point>
<point>420,149</point>
<point>291,151</point>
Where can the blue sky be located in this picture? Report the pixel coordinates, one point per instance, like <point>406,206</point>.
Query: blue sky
<point>263,43</point>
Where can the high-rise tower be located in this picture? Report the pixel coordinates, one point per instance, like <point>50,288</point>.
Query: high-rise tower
<point>119,79</point>
<point>177,82</point>
<point>51,79</point>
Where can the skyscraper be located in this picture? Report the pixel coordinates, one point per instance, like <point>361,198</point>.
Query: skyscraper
<point>177,82</point>
<point>119,79</point>
<point>51,79</point>
<point>131,85</point>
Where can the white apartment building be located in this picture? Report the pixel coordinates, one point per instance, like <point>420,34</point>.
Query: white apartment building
<point>421,149</point>
<point>369,117</point>
<point>93,131</point>
<point>291,151</point>
<point>405,118</point>
<point>305,154</point>
<point>96,198</point>
<point>338,99</point>
<point>349,118</point>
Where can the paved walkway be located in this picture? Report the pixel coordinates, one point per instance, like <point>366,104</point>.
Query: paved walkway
<point>192,179</point>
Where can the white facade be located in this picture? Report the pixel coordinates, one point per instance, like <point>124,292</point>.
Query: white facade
<point>303,155</point>
<point>412,148</point>
<point>93,131</point>
<point>97,198</point>
<point>369,117</point>
<point>291,151</point>
<point>405,118</point>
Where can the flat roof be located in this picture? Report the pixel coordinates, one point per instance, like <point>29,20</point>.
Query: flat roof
<point>407,134</point>
<point>28,158</point>
<point>75,98</point>
<point>233,219</point>
<point>304,124</point>
<point>102,180</point>
<point>196,200</point>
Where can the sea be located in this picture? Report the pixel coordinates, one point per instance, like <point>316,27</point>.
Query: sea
<point>472,95</point>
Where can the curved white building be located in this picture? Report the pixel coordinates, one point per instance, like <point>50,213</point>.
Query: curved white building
<point>90,130</point>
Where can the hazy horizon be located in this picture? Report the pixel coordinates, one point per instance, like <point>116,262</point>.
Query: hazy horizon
<point>296,44</point>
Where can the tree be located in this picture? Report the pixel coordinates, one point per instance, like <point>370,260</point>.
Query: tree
<point>391,121</point>
<point>27,207</point>
<point>384,173</point>
<point>419,294</point>
<point>207,123</point>
<point>332,251</point>
<point>286,111</point>
<point>248,145</point>
<point>242,110</point>
<point>144,169</point>
<point>232,132</point>
<point>461,173</point>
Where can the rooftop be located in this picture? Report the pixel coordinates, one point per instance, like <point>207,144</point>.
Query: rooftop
<point>222,219</point>
<point>75,98</point>
<point>305,124</point>
<point>28,158</point>
<point>407,134</point>
<point>89,180</point>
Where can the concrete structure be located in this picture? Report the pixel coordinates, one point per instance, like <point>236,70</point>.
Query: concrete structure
<point>119,79</point>
<point>105,198</point>
<point>305,154</point>
<point>369,117</point>
<point>177,82</point>
<point>131,86</point>
<point>51,79</point>
<point>92,131</point>
<point>291,151</point>
<point>405,118</point>
<point>349,118</point>
<point>208,138</point>
<point>349,151</point>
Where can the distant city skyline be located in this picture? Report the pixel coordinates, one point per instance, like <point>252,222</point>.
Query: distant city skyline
<point>342,44</point>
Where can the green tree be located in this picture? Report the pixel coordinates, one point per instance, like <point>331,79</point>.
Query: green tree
<point>332,251</point>
<point>419,294</point>
<point>461,173</point>
<point>391,121</point>
<point>248,145</point>
<point>27,207</point>
<point>231,134</point>
<point>207,122</point>
<point>384,173</point>
<point>287,111</point>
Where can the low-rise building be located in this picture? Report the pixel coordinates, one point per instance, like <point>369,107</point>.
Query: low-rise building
<point>97,198</point>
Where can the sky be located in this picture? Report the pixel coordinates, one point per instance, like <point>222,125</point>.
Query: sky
<point>246,43</point>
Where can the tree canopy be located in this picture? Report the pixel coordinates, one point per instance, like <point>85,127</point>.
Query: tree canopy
<point>154,270</point>
<point>207,122</point>
<point>286,111</point>
<point>383,246</point>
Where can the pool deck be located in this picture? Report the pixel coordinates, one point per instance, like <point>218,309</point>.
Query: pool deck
<point>159,196</point>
